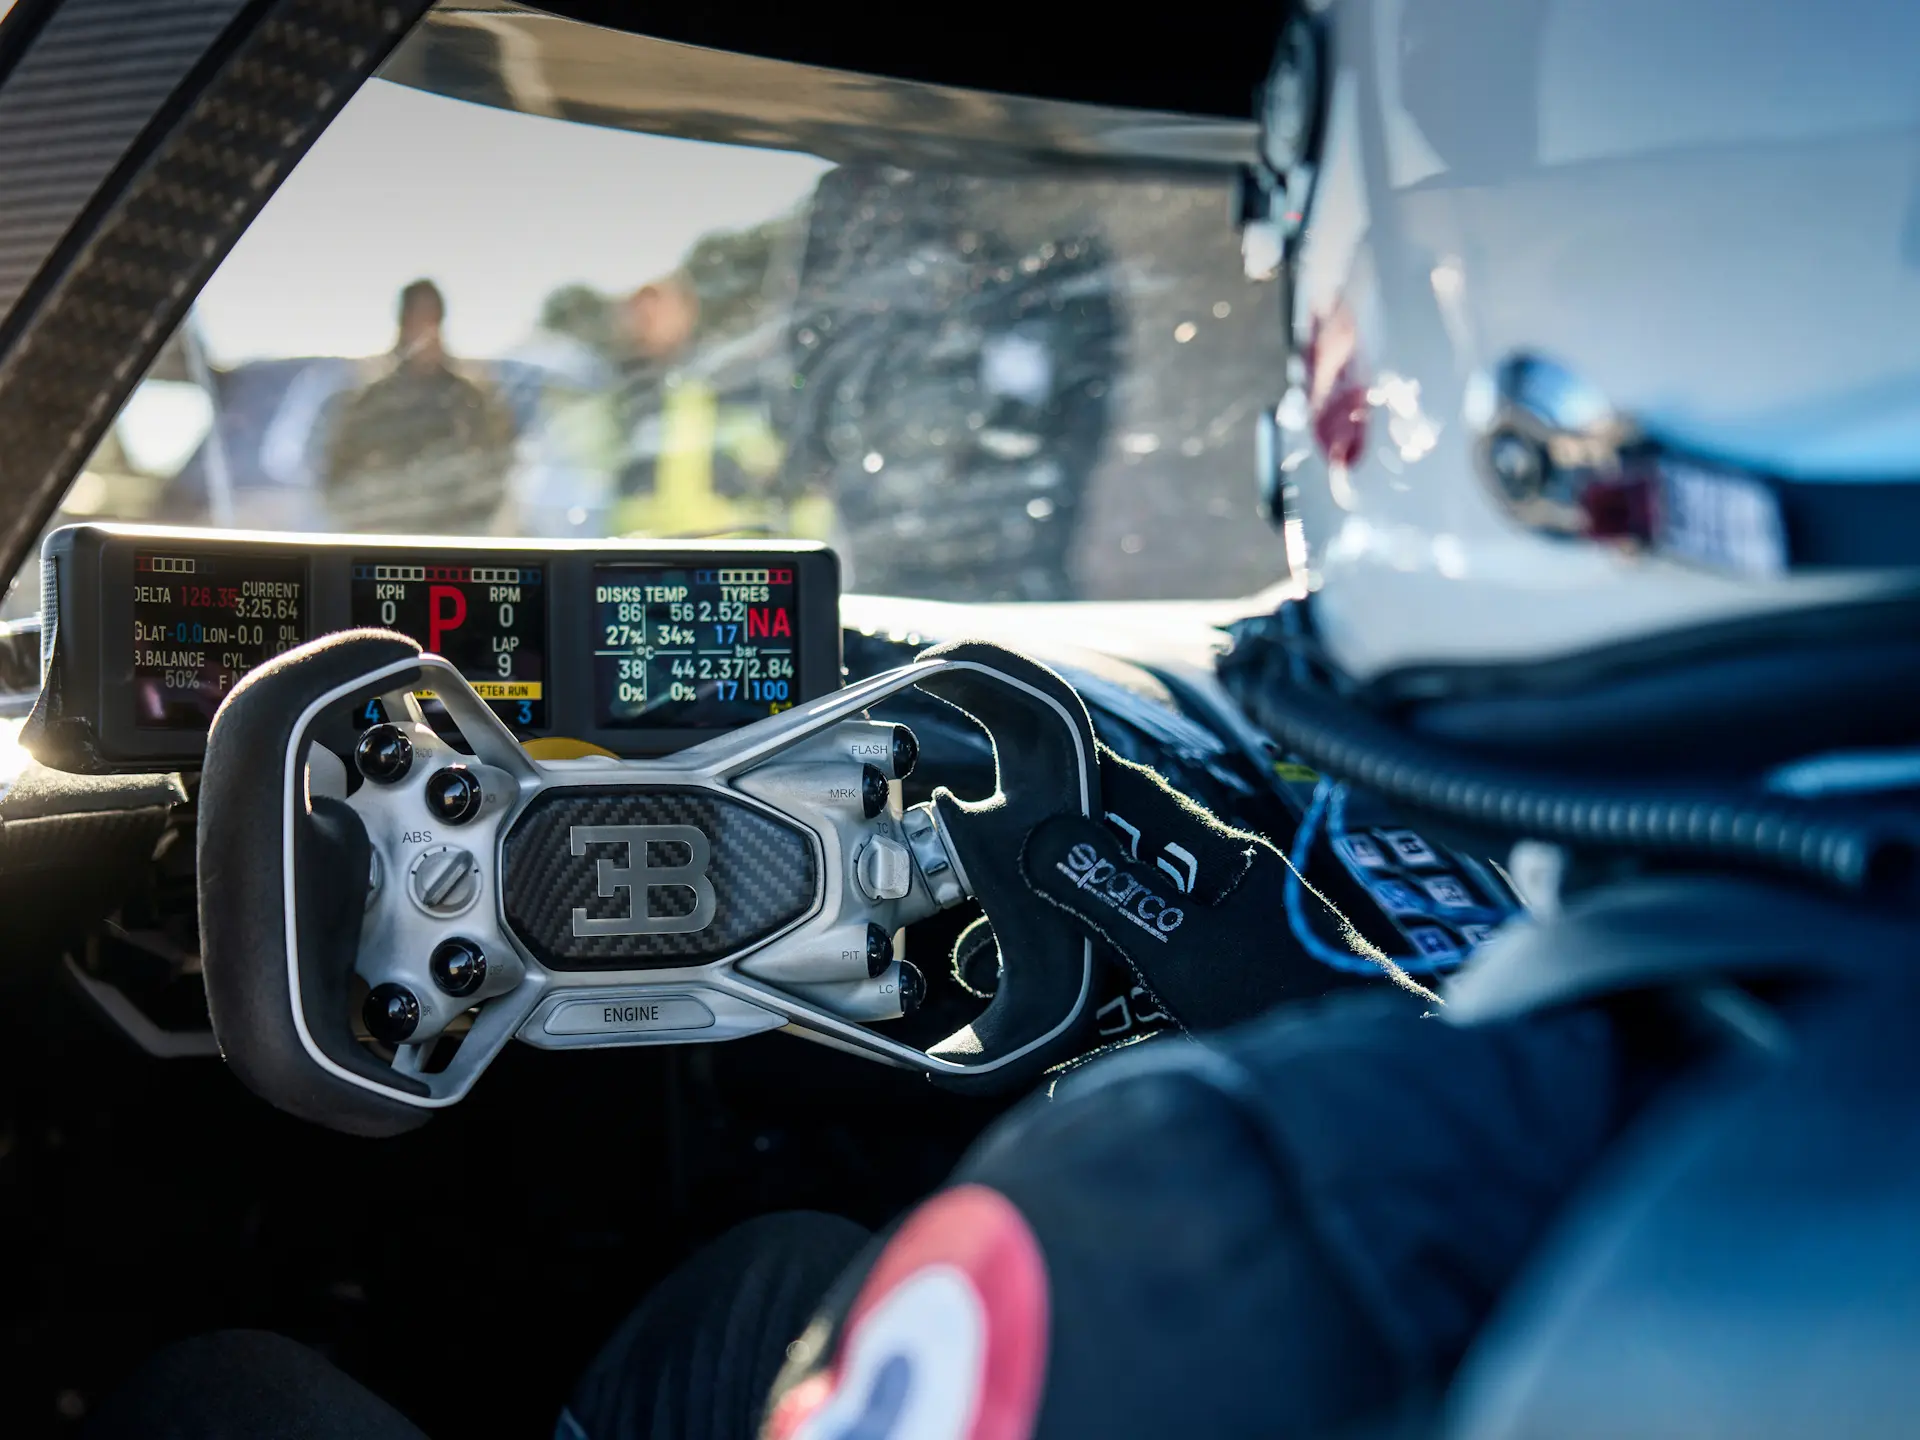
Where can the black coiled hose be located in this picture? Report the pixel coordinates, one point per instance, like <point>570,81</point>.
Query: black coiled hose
<point>1852,850</point>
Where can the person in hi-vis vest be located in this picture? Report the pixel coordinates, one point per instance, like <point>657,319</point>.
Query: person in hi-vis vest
<point>703,456</point>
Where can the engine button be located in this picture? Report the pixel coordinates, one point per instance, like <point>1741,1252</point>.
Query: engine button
<point>458,967</point>
<point>391,1013</point>
<point>628,1015</point>
<point>444,880</point>
<point>384,754</point>
<point>453,794</point>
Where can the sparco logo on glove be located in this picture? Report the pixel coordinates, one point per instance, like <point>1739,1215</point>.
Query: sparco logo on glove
<point>1221,949</point>
<point>1129,896</point>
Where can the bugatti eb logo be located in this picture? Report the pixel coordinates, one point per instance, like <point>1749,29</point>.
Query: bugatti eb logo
<point>638,877</point>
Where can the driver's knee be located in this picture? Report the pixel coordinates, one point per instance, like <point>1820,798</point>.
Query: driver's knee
<point>698,1357</point>
<point>245,1385</point>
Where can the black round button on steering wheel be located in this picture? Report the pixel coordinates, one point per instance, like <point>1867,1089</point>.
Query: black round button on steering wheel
<point>453,794</point>
<point>391,1013</point>
<point>459,967</point>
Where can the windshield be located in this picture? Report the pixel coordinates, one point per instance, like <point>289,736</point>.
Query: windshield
<point>457,319</point>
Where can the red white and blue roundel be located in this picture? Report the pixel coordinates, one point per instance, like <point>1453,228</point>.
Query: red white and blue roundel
<point>947,1340</point>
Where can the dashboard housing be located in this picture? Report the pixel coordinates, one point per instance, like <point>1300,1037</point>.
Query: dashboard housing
<point>85,719</point>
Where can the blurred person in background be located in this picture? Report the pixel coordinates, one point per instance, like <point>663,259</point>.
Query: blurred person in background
<point>704,458</point>
<point>422,449</point>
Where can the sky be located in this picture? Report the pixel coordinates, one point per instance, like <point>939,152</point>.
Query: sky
<point>496,207</point>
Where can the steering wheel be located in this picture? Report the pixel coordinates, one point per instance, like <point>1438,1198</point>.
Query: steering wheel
<point>381,913</point>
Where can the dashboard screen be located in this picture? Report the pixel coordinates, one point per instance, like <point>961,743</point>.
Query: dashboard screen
<point>201,620</point>
<point>628,647</point>
<point>693,648</point>
<point>488,620</point>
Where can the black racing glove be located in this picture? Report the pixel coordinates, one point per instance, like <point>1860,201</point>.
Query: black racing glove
<point>1194,908</point>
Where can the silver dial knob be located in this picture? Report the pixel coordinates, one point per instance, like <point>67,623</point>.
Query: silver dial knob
<point>883,869</point>
<point>444,880</point>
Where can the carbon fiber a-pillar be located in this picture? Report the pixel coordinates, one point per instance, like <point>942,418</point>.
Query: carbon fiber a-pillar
<point>226,119</point>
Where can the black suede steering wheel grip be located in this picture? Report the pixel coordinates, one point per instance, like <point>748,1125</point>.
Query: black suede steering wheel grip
<point>248,786</point>
<point>1046,764</point>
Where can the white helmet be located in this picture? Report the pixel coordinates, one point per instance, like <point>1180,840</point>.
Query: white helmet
<point>1606,324</point>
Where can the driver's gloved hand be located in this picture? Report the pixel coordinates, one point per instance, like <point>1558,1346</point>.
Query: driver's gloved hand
<point>1194,908</point>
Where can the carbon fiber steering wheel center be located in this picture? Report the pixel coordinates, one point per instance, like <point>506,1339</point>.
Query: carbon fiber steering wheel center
<point>616,879</point>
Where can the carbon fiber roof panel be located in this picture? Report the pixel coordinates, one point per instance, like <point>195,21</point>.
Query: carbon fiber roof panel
<point>200,170</point>
<point>80,97</point>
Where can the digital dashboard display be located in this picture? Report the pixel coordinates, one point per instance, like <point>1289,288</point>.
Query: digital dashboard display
<point>201,620</point>
<point>630,648</point>
<point>488,620</point>
<point>693,648</point>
